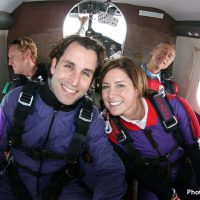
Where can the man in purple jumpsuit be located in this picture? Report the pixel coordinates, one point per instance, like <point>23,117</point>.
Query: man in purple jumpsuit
<point>50,127</point>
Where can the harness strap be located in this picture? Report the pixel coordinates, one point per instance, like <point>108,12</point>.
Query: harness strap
<point>24,107</point>
<point>17,185</point>
<point>152,141</point>
<point>60,180</point>
<point>165,113</point>
<point>82,125</point>
<point>41,154</point>
<point>123,138</point>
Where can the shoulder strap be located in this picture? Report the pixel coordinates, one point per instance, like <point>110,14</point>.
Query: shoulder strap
<point>24,107</point>
<point>82,123</point>
<point>123,138</point>
<point>165,111</point>
<point>166,115</point>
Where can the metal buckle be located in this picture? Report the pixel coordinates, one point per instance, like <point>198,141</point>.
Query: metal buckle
<point>173,121</point>
<point>157,95</point>
<point>121,137</point>
<point>167,76</point>
<point>68,173</point>
<point>25,99</point>
<point>88,114</point>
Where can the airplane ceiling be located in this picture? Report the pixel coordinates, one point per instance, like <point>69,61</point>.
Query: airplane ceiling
<point>180,10</point>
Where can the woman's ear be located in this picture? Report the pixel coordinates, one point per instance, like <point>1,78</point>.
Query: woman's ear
<point>53,66</point>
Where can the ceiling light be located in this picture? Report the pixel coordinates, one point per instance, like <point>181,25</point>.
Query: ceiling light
<point>151,14</point>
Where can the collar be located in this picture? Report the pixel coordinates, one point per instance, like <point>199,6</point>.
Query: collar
<point>151,120</point>
<point>141,123</point>
<point>50,99</point>
<point>150,74</point>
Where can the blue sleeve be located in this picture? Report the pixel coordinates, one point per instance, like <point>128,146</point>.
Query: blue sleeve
<point>2,122</point>
<point>184,122</point>
<point>191,147</point>
<point>3,135</point>
<point>110,172</point>
<point>7,108</point>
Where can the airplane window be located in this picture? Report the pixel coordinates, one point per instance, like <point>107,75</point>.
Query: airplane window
<point>194,84</point>
<point>105,29</point>
<point>105,22</point>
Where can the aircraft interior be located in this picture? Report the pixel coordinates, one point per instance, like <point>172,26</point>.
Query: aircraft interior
<point>131,28</point>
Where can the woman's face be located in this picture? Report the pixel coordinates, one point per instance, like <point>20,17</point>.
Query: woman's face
<point>119,95</point>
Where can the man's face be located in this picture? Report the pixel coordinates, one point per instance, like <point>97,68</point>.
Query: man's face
<point>162,56</point>
<point>73,73</point>
<point>16,59</point>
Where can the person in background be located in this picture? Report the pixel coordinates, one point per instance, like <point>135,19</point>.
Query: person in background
<point>22,57</point>
<point>82,29</point>
<point>60,151</point>
<point>164,159</point>
<point>161,58</point>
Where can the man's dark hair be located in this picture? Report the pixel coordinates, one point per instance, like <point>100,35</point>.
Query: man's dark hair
<point>86,42</point>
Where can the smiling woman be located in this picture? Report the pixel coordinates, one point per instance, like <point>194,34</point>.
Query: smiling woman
<point>147,143</point>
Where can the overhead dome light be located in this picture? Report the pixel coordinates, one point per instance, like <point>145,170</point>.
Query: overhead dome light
<point>151,14</point>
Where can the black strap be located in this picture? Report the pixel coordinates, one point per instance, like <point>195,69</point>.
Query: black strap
<point>82,125</point>
<point>154,144</point>
<point>127,142</point>
<point>60,180</point>
<point>24,107</point>
<point>16,183</point>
